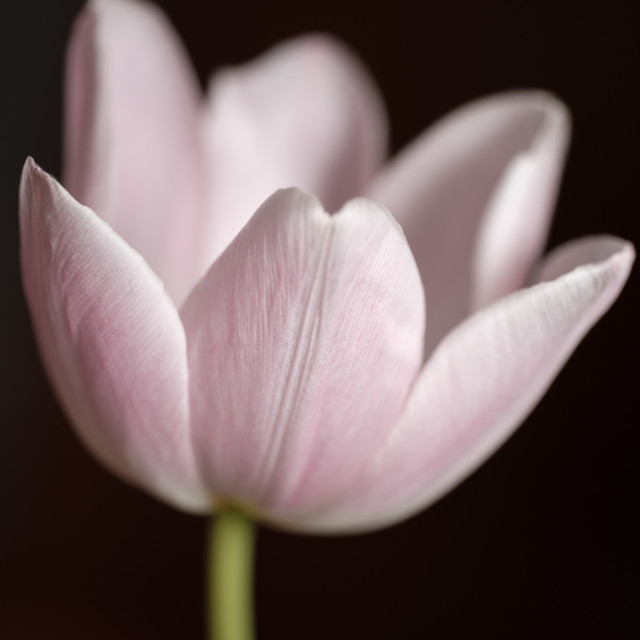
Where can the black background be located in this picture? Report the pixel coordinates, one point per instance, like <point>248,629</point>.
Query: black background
<point>540,542</point>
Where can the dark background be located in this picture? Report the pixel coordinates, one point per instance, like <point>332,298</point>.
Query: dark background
<point>540,542</point>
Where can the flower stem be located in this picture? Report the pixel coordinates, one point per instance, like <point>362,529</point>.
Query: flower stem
<point>230,573</point>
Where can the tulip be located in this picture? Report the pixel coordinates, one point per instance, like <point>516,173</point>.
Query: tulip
<point>284,361</point>
<point>283,365</point>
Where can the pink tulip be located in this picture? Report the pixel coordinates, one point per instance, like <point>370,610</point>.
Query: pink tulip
<point>279,360</point>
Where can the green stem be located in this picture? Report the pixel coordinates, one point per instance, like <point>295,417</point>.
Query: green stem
<point>230,571</point>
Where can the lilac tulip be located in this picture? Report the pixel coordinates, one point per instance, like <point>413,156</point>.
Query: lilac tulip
<point>285,360</point>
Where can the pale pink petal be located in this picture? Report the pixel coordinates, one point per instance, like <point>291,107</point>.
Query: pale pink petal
<point>474,196</point>
<point>305,114</point>
<point>479,384</point>
<point>303,340</point>
<point>111,340</point>
<point>132,151</point>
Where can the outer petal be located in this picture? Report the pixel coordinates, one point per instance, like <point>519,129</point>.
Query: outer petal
<point>111,340</point>
<point>474,196</point>
<point>303,341</point>
<point>306,114</point>
<point>480,383</point>
<point>131,138</point>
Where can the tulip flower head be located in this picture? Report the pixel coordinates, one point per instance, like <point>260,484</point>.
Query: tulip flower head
<point>238,301</point>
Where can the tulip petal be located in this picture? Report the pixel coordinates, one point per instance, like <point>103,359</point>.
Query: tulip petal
<point>479,384</point>
<point>132,151</point>
<point>474,196</point>
<point>286,335</point>
<point>111,340</point>
<point>306,114</point>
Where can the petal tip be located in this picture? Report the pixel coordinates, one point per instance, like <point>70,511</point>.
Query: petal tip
<point>554,114</point>
<point>30,167</point>
<point>557,120</point>
<point>369,206</point>
<point>32,180</point>
<point>625,257</point>
<point>306,199</point>
<point>34,177</point>
<point>28,170</point>
<point>539,99</point>
<point>609,252</point>
<point>97,10</point>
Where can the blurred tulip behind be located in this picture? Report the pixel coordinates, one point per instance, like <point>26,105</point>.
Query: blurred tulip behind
<point>539,541</point>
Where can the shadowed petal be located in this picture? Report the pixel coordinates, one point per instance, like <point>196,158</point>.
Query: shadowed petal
<point>132,148</point>
<point>304,115</point>
<point>474,196</point>
<point>303,340</point>
<point>479,384</point>
<point>111,340</point>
